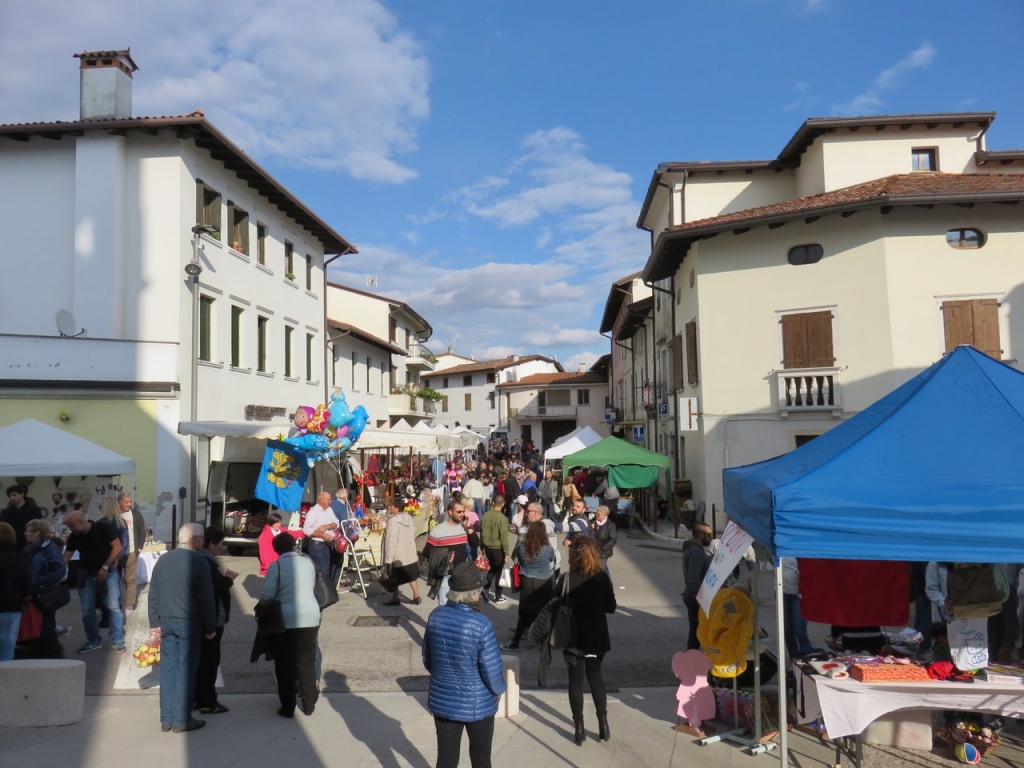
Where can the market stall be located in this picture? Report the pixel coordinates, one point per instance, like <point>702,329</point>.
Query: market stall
<point>575,441</point>
<point>931,472</point>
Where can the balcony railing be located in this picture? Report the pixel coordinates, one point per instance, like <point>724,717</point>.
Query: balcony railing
<point>420,357</point>
<point>810,389</point>
<point>544,412</point>
<point>408,405</point>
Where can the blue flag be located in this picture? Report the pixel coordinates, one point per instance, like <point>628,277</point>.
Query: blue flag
<point>282,476</point>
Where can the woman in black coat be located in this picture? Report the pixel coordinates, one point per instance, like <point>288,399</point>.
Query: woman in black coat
<point>209,649</point>
<point>591,597</point>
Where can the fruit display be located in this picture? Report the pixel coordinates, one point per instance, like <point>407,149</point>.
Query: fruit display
<point>148,654</point>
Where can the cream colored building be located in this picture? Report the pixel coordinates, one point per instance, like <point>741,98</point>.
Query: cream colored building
<point>800,290</point>
<point>543,407</point>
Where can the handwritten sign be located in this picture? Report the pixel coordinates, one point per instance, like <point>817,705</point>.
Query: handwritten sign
<point>734,542</point>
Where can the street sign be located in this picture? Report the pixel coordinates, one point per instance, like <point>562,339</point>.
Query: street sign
<point>662,410</point>
<point>688,413</point>
<point>638,434</point>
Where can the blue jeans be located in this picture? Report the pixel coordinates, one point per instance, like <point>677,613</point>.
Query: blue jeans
<point>180,643</point>
<point>10,623</point>
<point>88,586</point>
<point>923,621</point>
<point>320,554</point>
<point>797,641</point>
<point>442,593</point>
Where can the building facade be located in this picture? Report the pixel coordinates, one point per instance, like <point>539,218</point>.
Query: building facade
<point>800,290</point>
<point>543,407</point>
<point>148,254</point>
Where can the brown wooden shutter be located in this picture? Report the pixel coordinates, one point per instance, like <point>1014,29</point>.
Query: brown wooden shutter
<point>691,353</point>
<point>957,324</point>
<point>819,339</point>
<point>794,342</point>
<point>985,314</point>
<point>677,362</point>
<point>199,201</point>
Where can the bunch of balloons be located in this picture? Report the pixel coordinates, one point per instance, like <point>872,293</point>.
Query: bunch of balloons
<point>327,431</point>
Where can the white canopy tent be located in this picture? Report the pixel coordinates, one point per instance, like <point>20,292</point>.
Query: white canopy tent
<point>575,441</point>
<point>401,424</point>
<point>30,448</point>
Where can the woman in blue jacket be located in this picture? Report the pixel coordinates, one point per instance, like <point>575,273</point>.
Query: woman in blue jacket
<point>461,654</point>
<point>46,570</point>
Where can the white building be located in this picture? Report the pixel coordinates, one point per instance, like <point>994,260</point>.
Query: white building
<point>100,214</point>
<point>634,396</point>
<point>380,364</point>
<point>469,388</point>
<point>543,407</point>
<point>800,290</point>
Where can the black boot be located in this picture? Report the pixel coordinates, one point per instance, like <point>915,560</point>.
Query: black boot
<point>581,734</point>
<point>604,733</point>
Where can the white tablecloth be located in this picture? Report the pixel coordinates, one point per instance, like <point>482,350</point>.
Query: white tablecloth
<point>144,569</point>
<point>849,706</point>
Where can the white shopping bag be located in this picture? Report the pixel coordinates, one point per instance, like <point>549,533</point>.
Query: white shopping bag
<point>968,643</point>
<point>506,578</point>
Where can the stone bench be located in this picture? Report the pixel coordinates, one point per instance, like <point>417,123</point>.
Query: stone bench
<point>508,704</point>
<point>41,692</point>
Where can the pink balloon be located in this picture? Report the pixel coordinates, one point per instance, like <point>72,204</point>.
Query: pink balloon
<point>342,431</point>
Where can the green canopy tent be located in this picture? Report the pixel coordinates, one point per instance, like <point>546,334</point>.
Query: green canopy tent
<point>629,466</point>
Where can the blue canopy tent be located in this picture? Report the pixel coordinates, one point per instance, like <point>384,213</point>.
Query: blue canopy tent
<point>932,471</point>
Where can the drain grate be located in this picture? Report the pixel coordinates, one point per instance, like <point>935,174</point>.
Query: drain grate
<point>376,621</point>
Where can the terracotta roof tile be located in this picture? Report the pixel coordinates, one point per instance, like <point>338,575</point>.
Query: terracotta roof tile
<point>546,379</point>
<point>487,365</point>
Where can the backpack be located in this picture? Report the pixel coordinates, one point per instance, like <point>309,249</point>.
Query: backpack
<point>977,590</point>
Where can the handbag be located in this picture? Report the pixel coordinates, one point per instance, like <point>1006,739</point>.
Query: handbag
<point>31,626</point>
<point>516,579</point>
<point>387,580</point>
<point>53,599</point>
<point>563,628</point>
<point>325,592</point>
<point>269,616</point>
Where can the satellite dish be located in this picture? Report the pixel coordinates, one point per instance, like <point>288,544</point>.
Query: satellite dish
<point>66,325</point>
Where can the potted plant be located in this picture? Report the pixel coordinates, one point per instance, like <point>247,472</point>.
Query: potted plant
<point>429,393</point>
<point>290,276</point>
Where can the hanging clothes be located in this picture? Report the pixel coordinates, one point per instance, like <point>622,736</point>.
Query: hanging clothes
<point>855,592</point>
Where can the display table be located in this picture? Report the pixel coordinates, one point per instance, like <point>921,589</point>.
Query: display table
<point>145,563</point>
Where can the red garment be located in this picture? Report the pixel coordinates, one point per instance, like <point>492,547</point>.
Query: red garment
<point>855,593</point>
<point>267,553</point>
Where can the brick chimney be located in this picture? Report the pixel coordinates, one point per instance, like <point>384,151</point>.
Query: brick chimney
<point>105,84</point>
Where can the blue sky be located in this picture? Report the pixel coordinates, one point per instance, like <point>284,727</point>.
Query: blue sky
<point>489,158</point>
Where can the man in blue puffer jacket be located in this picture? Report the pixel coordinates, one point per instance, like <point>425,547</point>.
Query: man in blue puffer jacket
<point>461,654</point>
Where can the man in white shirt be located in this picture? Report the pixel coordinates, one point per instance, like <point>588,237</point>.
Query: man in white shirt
<point>136,541</point>
<point>474,489</point>
<point>319,528</point>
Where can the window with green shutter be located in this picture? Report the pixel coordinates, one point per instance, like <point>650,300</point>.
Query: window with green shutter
<point>288,350</point>
<point>238,221</point>
<point>205,327</point>
<point>208,207</point>
<point>236,337</point>
<point>261,344</point>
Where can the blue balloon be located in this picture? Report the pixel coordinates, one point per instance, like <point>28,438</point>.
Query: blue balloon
<point>309,442</point>
<point>340,413</point>
<point>358,423</point>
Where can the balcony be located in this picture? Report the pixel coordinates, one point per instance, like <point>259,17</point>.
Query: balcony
<point>807,390</point>
<point>544,412</point>
<point>420,358</point>
<point>410,405</point>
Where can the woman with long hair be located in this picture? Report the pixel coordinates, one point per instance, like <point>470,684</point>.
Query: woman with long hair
<point>291,579</point>
<point>110,514</point>
<point>536,564</point>
<point>590,597</point>
<point>569,493</point>
<point>209,648</point>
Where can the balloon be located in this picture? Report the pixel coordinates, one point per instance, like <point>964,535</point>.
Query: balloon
<point>340,413</point>
<point>301,418</point>
<point>358,423</point>
<point>318,421</point>
<point>309,442</point>
<point>341,432</point>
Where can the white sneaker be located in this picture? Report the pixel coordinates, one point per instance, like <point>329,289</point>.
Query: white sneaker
<point>501,600</point>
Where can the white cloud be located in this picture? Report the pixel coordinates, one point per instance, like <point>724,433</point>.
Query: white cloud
<point>887,80</point>
<point>428,218</point>
<point>586,359</point>
<point>543,238</point>
<point>311,83</point>
<point>411,237</point>
<point>561,337</point>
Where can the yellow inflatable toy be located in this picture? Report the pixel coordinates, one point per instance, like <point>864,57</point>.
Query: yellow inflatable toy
<point>725,635</point>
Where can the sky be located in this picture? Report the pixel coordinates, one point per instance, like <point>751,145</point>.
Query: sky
<point>489,159</point>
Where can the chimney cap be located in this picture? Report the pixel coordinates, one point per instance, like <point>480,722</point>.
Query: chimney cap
<point>121,59</point>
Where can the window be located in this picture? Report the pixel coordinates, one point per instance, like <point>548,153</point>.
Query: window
<point>238,220</point>
<point>469,402</point>
<point>208,207</point>
<point>807,340</point>
<point>205,327</point>
<point>924,159</point>
<point>261,344</point>
<point>491,377</point>
<point>310,338</point>
<point>288,350</point>
<point>261,243</point>
<point>582,397</point>
<point>392,329</point>
<point>309,272</point>
<point>236,337</point>
<point>691,354</point>
<point>444,383</point>
<point>805,254</point>
<point>974,322</point>
<point>369,367</point>
<point>467,381</point>
<point>965,239</point>
<point>289,260</point>
<point>353,382</point>
<point>492,399</point>
<point>444,404</point>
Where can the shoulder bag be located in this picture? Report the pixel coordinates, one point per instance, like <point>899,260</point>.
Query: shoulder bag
<point>324,591</point>
<point>563,628</point>
<point>53,598</point>
<point>269,616</point>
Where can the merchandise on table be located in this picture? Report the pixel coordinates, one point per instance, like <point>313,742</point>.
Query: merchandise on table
<point>874,672</point>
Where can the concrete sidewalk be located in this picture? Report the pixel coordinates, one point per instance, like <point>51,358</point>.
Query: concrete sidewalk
<point>392,730</point>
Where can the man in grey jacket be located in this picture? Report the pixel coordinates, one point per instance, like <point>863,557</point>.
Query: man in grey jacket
<point>181,603</point>
<point>696,562</point>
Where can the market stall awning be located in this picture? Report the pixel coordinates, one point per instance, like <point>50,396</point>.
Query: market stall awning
<point>30,448</point>
<point>629,466</point>
<point>575,441</point>
<point>264,430</point>
<point>932,471</point>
